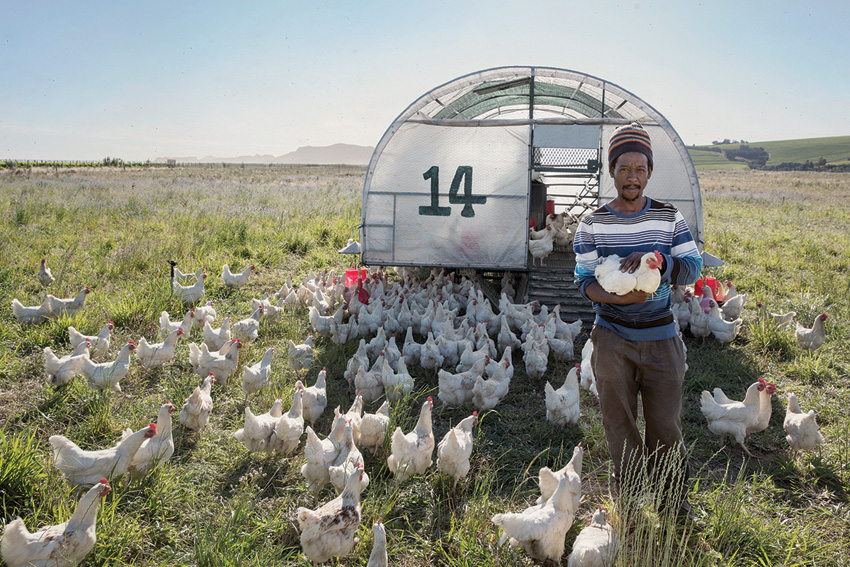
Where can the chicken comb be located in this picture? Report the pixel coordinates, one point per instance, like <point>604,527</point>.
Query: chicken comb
<point>378,521</point>
<point>152,426</point>
<point>104,481</point>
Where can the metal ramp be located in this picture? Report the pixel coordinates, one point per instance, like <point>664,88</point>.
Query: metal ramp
<point>554,283</point>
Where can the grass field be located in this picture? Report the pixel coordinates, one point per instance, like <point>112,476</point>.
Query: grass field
<point>785,238</point>
<point>834,149</point>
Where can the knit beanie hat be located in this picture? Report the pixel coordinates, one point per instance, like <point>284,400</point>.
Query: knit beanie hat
<point>629,138</point>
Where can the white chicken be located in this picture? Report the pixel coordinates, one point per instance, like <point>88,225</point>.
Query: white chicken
<point>181,277</point>
<point>45,276</point>
<point>107,375</point>
<point>543,246</point>
<point>729,418</point>
<point>812,339</point>
<point>536,359</point>
<point>354,416</point>
<point>360,359</point>
<point>316,398</point>
<point>455,448</point>
<point>190,294</point>
<point>99,343</point>
<point>801,428</point>
<point>540,529</point>
<point>596,545</point>
<point>222,365</point>
<point>320,454</point>
<point>411,453</point>
<point>71,306</point>
<point>61,370</point>
<point>488,392</point>
<point>205,314</point>
<point>456,389</point>
<point>83,468</point>
<point>156,450</point>
<point>369,383</point>
<point>724,331</point>
<point>217,338</point>
<point>329,530</point>
<point>373,428</point>
<point>588,380</point>
<point>646,278</point>
<point>254,377</point>
<point>61,545</point>
<point>34,314</point>
<point>349,459</point>
<point>301,355</point>
<point>777,320</point>
<point>196,410</point>
<point>248,330</point>
<point>236,280</point>
<point>290,426</point>
<point>548,480</point>
<point>157,354</point>
<point>166,325</point>
<point>258,429</point>
<point>396,385</point>
<point>562,405</point>
<point>378,557</point>
<point>430,357</point>
<point>733,302</point>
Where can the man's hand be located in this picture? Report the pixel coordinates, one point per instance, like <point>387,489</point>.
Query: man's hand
<point>631,262</point>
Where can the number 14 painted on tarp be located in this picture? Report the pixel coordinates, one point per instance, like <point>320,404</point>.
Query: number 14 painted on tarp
<point>463,173</point>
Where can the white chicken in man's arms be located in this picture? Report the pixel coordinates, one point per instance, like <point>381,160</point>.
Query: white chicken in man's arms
<point>620,276</point>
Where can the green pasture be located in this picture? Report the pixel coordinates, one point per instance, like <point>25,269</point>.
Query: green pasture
<point>785,238</point>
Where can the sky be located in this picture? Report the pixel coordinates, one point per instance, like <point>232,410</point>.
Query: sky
<point>141,80</point>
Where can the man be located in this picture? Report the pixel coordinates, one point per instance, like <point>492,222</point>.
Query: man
<point>636,347</point>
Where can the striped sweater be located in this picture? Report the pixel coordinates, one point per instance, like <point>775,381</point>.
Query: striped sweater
<point>659,226</point>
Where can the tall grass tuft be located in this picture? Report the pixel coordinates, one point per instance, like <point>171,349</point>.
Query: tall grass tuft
<point>22,473</point>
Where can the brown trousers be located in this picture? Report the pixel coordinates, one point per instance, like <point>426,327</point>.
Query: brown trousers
<point>655,370</point>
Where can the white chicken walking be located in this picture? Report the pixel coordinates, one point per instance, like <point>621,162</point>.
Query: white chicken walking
<point>61,370</point>
<point>329,530</point>
<point>191,293</point>
<point>84,468</point>
<point>258,429</point>
<point>562,405</point>
<point>107,375</point>
<point>196,410</point>
<point>290,426</point>
<point>157,354</point>
<point>801,428</point>
<point>540,529</point>
<point>411,453</point>
<point>99,343</point>
<point>455,448</point>
<point>236,280</point>
<point>596,545</point>
<point>45,276</point>
<point>156,450</point>
<point>61,545</point>
<point>254,377</point>
<point>373,428</point>
<point>811,339</point>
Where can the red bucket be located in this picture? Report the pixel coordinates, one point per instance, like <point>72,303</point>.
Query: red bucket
<point>351,275</point>
<point>550,207</point>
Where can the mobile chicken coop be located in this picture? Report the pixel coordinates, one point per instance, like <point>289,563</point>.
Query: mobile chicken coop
<point>461,174</point>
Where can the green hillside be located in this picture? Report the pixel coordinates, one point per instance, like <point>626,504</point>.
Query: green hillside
<point>834,149</point>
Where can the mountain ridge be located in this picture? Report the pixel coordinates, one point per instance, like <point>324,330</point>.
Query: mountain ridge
<point>344,154</point>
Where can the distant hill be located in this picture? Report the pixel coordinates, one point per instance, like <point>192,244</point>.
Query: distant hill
<point>346,154</point>
<point>834,151</point>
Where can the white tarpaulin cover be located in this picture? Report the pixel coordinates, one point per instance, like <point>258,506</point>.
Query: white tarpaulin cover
<point>450,182</point>
<point>484,224</point>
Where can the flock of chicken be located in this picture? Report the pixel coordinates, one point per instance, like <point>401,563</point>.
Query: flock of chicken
<point>476,345</point>
<point>558,232</point>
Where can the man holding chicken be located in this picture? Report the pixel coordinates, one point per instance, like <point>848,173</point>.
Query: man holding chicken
<point>636,347</point>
